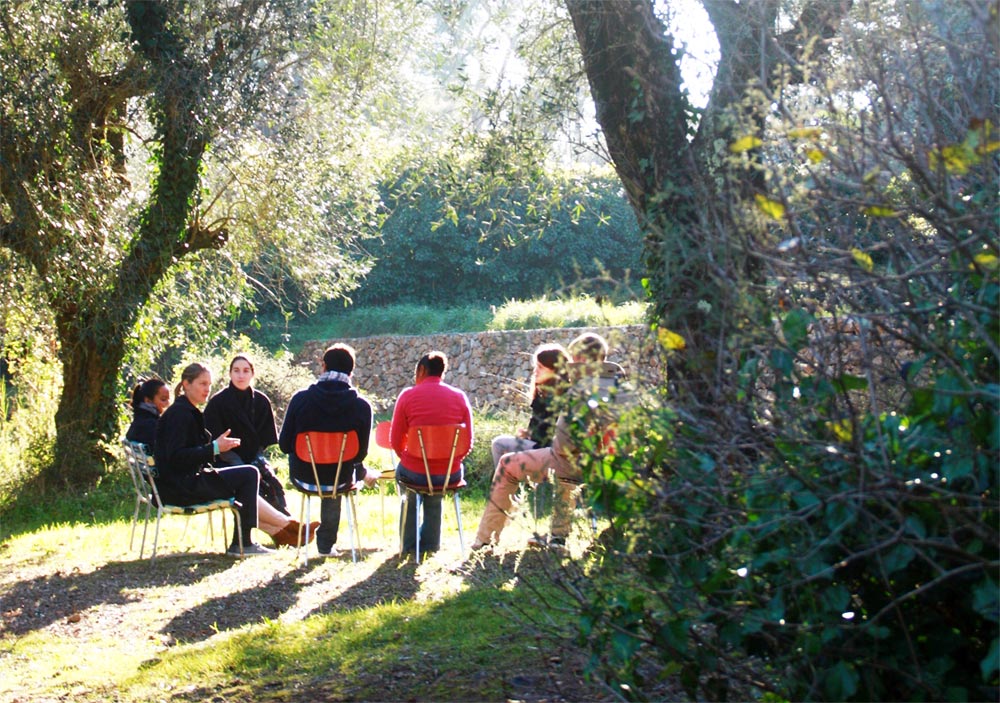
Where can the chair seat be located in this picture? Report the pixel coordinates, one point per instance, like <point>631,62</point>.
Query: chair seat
<point>437,491</point>
<point>323,490</point>
<point>199,508</point>
<point>142,468</point>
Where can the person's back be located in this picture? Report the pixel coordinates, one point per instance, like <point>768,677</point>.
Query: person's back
<point>332,404</point>
<point>329,405</point>
<point>429,401</point>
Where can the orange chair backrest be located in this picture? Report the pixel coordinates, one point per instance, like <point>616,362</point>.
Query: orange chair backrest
<point>327,446</point>
<point>382,434</point>
<point>438,440</point>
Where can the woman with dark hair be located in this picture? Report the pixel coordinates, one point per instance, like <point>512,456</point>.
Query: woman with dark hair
<point>550,362</point>
<point>149,399</point>
<point>247,414</point>
<point>184,451</point>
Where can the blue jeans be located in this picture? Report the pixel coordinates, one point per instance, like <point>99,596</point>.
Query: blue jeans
<point>329,516</point>
<point>430,528</point>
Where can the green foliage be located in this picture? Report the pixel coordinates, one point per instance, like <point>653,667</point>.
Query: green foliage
<point>29,381</point>
<point>814,514</point>
<point>578,311</point>
<point>510,242</point>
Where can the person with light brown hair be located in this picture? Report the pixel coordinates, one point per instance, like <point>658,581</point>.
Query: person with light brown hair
<point>588,373</point>
<point>549,364</point>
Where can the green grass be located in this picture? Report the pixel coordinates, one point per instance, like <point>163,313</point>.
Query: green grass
<point>86,620</point>
<point>333,320</point>
<point>202,626</point>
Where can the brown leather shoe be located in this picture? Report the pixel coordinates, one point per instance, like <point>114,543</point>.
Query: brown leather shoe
<point>287,536</point>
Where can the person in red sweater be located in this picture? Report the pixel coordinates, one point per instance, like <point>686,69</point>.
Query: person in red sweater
<point>429,401</point>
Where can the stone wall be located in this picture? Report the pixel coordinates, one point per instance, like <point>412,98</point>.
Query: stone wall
<point>493,368</point>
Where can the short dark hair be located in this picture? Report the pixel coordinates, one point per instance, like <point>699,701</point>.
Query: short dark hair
<point>434,362</point>
<point>339,357</point>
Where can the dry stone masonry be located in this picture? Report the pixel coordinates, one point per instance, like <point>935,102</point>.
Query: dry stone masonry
<point>493,368</point>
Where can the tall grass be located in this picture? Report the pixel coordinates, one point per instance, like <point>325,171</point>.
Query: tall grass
<point>582,311</point>
<point>333,321</point>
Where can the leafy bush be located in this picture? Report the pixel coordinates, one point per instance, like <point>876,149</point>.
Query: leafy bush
<point>813,513</point>
<point>578,311</point>
<point>437,251</point>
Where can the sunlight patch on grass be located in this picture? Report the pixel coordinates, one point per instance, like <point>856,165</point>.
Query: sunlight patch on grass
<point>390,651</point>
<point>45,662</point>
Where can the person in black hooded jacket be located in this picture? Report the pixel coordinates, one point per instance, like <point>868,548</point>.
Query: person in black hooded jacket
<point>330,405</point>
<point>247,414</point>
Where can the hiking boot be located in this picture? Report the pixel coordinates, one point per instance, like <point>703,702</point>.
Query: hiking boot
<point>539,541</point>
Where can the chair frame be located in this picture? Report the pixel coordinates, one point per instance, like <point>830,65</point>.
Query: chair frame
<point>382,440</point>
<point>325,448</point>
<point>423,435</point>
<point>143,472</point>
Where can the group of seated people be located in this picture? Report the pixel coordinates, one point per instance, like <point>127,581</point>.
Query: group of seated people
<point>219,452</point>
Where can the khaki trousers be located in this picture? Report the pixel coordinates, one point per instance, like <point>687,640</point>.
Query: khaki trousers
<point>531,465</point>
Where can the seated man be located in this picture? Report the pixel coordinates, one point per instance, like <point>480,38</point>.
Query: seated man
<point>590,376</point>
<point>429,401</point>
<point>329,405</point>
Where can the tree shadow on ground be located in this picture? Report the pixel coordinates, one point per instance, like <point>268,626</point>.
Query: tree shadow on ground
<point>36,603</point>
<point>232,610</point>
<point>393,580</point>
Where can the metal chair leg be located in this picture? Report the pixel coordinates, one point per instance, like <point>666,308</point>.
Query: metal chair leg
<point>145,526</point>
<point>352,526</point>
<point>418,521</point>
<point>404,504</point>
<point>458,519</point>
<point>303,512</point>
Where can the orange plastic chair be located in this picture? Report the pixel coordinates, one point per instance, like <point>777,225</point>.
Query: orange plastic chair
<point>327,448</point>
<point>450,442</point>
<point>382,440</point>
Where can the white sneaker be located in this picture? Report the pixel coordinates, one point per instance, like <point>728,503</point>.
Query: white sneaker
<point>334,552</point>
